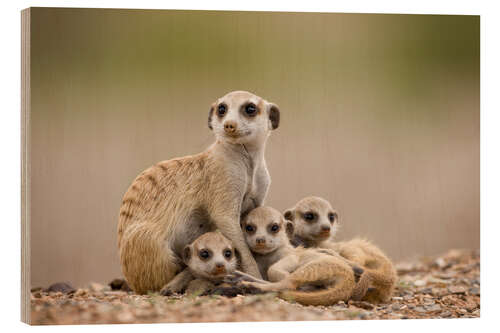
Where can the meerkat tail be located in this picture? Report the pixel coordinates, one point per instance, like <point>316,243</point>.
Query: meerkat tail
<point>325,298</point>
<point>385,283</point>
<point>375,286</point>
<point>340,292</point>
<point>339,283</point>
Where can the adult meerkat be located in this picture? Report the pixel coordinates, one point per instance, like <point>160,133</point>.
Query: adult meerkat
<point>209,258</point>
<point>173,202</point>
<point>308,276</point>
<point>315,224</point>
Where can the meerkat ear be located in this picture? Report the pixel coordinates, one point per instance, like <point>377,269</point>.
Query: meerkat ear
<point>237,255</point>
<point>289,214</point>
<point>289,228</point>
<point>186,254</point>
<point>210,114</point>
<point>274,115</point>
<point>243,216</point>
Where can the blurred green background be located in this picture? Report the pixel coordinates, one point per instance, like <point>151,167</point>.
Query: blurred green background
<point>380,115</point>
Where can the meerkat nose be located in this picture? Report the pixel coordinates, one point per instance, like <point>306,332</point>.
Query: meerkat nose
<point>325,228</point>
<point>230,126</point>
<point>261,240</point>
<point>219,265</point>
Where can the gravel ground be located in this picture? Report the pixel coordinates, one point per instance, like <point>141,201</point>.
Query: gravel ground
<point>446,286</point>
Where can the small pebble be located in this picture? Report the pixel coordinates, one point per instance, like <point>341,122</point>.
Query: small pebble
<point>419,283</point>
<point>458,290</point>
<point>440,262</point>
<point>474,291</point>
<point>432,308</point>
<point>446,314</point>
<point>396,306</point>
<point>61,287</point>
<point>426,291</point>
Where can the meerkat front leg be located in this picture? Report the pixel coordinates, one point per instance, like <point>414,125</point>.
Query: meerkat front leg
<point>199,287</point>
<point>282,269</point>
<point>262,182</point>
<point>178,283</point>
<point>278,274</point>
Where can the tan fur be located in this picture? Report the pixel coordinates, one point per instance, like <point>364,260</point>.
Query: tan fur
<point>308,276</point>
<point>201,273</point>
<point>379,278</point>
<point>173,202</point>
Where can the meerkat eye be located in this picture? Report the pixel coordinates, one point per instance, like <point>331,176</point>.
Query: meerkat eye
<point>250,109</point>
<point>249,228</point>
<point>332,217</point>
<point>228,253</point>
<point>221,110</point>
<point>204,254</point>
<point>309,216</point>
<point>275,228</point>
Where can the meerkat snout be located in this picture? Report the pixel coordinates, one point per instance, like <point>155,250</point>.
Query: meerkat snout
<point>260,240</point>
<point>230,127</point>
<point>325,229</point>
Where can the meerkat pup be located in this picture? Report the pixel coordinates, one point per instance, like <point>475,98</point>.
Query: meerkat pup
<point>173,202</point>
<point>315,224</point>
<point>209,258</point>
<point>308,276</point>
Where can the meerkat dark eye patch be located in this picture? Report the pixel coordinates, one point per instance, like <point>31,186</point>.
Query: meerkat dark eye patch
<point>274,228</point>
<point>309,216</point>
<point>332,217</point>
<point>250,228</point>
<point>227,253</point>
<point>251,110</point>
<point>221,110</point>
<point>204,254</point>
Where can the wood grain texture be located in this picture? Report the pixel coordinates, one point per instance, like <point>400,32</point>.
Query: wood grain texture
<point>25,166</point>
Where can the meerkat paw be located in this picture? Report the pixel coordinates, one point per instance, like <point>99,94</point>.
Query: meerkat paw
<point>167,292</point>
<point>170,291</point>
